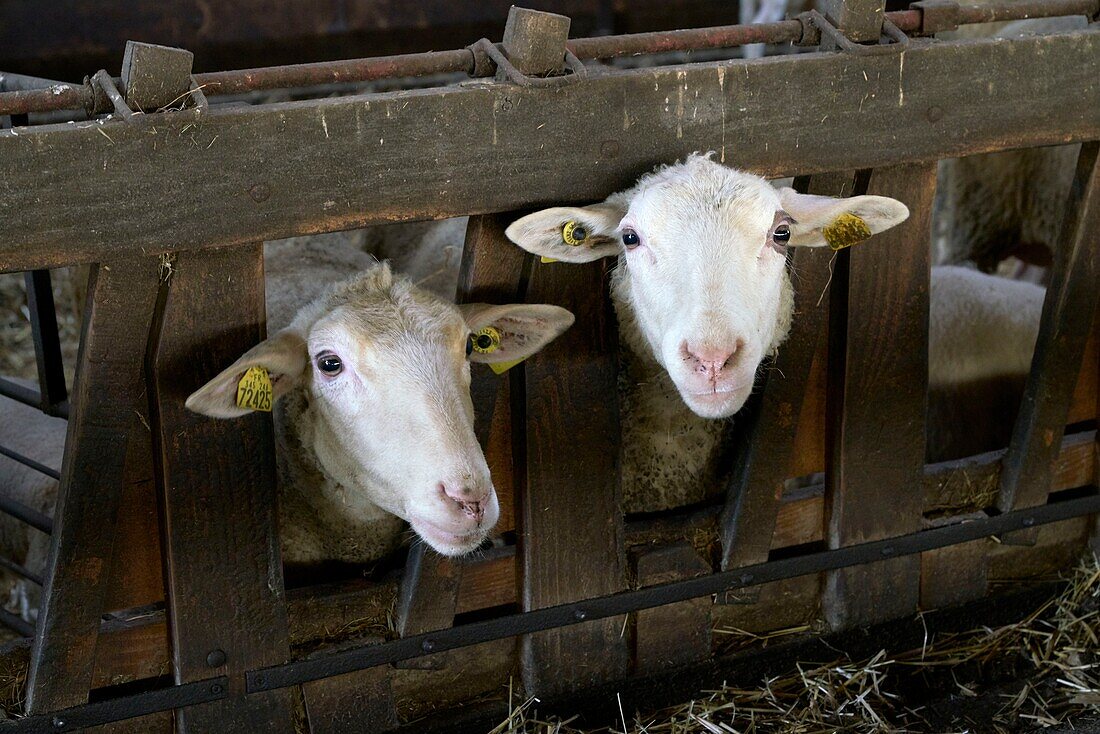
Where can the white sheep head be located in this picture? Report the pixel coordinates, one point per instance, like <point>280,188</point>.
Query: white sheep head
<point>386,375</point>
<point>702,251</point>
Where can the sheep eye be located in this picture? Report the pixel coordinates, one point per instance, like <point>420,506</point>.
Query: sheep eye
<point>782,234</point>
<point>630,239</point>
<point>330,365</point>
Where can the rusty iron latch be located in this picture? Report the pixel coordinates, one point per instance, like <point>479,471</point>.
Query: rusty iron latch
<point>489,58</point>
<point>898,41</point>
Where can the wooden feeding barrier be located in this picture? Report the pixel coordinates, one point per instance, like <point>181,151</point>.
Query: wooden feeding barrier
<point>165,589</point>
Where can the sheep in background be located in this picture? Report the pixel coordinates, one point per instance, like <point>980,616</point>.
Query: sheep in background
<point>37,436</point>
<point>1008,204</point>
<point>373,413</point>
<point>981,336</point>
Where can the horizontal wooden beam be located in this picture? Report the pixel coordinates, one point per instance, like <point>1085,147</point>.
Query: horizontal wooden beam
<point>80,192</point>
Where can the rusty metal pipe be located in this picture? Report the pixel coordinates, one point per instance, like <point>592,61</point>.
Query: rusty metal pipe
<point>696,39</point>
<point>66,97</point>
<point>329,72</point>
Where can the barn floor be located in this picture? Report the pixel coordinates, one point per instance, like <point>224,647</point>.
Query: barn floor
<point>1029,661</point>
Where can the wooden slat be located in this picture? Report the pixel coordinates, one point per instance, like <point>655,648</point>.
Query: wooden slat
<point>271,171</point>
<point>656,646</point>
<point>756,484</point>
<point>225,585</point>
<point>1086,395</point>
<point>107,406</point>
<point>571,529</point>
<point>1064,329</point>
<point>878,376</point>
<point>955,574</point>
<point>491,271</point>
<point>354,702</point>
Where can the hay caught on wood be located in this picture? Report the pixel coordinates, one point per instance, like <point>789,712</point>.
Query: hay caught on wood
<point>946,685</point>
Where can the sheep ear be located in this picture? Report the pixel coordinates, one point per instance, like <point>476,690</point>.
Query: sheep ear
<point>283,356</point>
<point>839,223</point>
<point>503,336</point>
<point>568,233</point>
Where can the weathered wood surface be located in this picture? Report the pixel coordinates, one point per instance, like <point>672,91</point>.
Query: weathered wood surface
<point>878,374</point>
<point>955,574</point>
<point>354,702</point>
<point>264,172</point>
<point>764,462</point>
<point>571,531</point>
<point>226,603</point>
<point>1064,329</point>
<point>107,425</point>
<point>675,634</point>
<point>859,20</point>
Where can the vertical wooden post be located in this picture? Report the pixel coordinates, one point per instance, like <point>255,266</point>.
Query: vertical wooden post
<point>571,524</point>
<point>756,485</point>
<point>107,412</point>
<point>1064,328</point>
<point>491,271</point>
<point>226,604</point>
<point>878,375</point>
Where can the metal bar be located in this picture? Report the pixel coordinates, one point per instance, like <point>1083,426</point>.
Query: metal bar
<point>17,623</point>
<point>19,82</point>
<point>20,570</point>
<point>328,72</point>
<point>47,343</point>
<point>27,396</point>
<point>32,517</point>
<point>630,601</point>
<point>67,96</point>
<point>124,707</point>
<point>107,84</point>
<point>27,461</point>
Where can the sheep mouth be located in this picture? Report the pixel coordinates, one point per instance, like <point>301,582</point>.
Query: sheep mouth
<point>445,541</point>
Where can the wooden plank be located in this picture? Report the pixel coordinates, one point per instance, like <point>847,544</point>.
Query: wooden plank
<point>955,574</point>
<point>655,648</point>
<point>108,402</point>
<point>271,171</point>
<point>571,522</point>
<point>426,599</point>
<point>155,76</point>
<point>859,20</point>
<point>878,375</point>
<point>354,702</point>
<point>1086,395</point>
<point>1064,328</point>
<point>226,605</point>
<point>756,484</point>
<point>491,271</point>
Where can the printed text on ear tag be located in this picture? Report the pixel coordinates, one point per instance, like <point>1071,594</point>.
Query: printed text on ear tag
<point>254,391</point>
<point>845,231</point>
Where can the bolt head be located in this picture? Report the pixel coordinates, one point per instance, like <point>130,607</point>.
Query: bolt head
<point>427,645</point>
<point>580,615</point>
<point>216,658</point>
<point>58,722</point>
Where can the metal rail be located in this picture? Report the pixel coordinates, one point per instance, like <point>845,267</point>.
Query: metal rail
<point>470,61</point>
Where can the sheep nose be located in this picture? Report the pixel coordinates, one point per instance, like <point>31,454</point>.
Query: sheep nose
<point>471,500</point>
<point>710,360</point>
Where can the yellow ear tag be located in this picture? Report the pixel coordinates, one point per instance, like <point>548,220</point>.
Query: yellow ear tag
<point>573,234</point>
<point>487,341</point>
<point>845,231</point>
<point>254,391</point>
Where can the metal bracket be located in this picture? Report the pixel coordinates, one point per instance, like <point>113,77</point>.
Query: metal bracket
<point>106,84</point>
<point>889,30</point>
<point>487,49</point>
